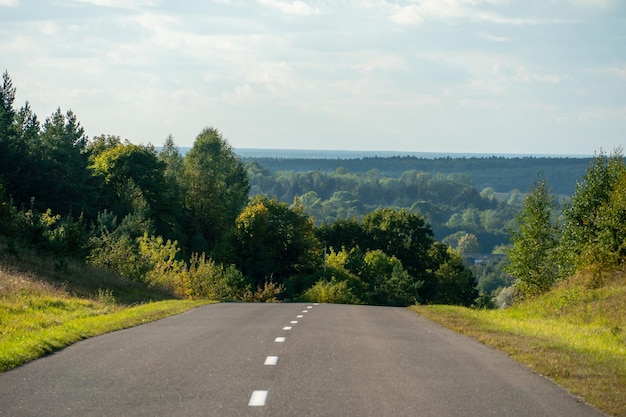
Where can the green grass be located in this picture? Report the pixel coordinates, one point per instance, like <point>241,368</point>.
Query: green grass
<point>44,308</point>
<point>574,335</point>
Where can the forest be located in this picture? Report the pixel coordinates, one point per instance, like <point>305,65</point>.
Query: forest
<point>501,173</point>
<point>209,224</point>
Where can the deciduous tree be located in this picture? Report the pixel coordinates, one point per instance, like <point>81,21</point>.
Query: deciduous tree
<point>533,256</point>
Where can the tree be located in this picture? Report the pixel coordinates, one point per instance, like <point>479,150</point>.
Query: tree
<point>215,189</point>
<point>401,234</point>
<point>468,243</point>
<point>274,242</point>
<point>455,284</point>
<point>583,223</point>
<point>61,179</point>
<point>389,283</point>
<point>7,125</point>
<point>608,249</point>
<point>116,165</point>
<point>532,256</point>
<point>13,154</point>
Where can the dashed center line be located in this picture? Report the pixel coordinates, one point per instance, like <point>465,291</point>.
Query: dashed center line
<point>279,340</point>
<point>258,398</point>
<point>287,328</point>
<point>310,307</point>
<point>299,316</point>
<point>294,322</point>
<point>271,360</point>
<point>305,311</point>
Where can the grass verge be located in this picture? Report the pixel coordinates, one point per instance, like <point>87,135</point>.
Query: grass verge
<point>44,308</point>
<point>574,335</point>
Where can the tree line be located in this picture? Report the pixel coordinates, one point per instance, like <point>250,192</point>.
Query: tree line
<point>190,225</point>
<point>501,173</point>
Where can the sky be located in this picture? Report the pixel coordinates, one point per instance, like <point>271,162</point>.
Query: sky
<point>451,76</point>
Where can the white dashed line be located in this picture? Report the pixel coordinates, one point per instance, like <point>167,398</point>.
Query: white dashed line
<point>305,311</point>
<point>299,316</point>
<point>310,307</point>
<point>316,304</point>
<point>271,360</point>
<point>257,399</point>
<point>294,322</point>
<point>279,340</point>
<point>287,328</point>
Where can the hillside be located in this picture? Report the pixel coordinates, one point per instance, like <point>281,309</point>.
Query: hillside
<point>47,304</point>
<point>574,334</point>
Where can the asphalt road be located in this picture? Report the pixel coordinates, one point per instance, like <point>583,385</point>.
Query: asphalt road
<point>283,360</point>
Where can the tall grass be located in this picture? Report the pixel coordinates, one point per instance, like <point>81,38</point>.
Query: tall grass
<point>573,334</point>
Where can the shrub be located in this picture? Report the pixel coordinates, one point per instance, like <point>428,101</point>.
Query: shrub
<point>333,291</point>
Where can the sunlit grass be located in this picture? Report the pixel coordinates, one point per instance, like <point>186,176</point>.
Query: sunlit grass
<point>573,335</point>
<point>39,315</point>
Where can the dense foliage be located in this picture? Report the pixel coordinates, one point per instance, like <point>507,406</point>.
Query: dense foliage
<point>588,238</point>
<point>206,224</point>
<point>186,223</point>
<point>514,172</point>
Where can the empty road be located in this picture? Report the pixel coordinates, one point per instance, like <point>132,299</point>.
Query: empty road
<point>283,360</point>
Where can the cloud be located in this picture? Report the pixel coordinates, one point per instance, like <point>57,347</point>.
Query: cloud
<point>120,4</point>
<point>594,4</point>
<point>385,62</point>
<point>296,7</point>
<point>495,38</point>
<point>9,3</point>
<point>615,71</point>
<point>412,12</point>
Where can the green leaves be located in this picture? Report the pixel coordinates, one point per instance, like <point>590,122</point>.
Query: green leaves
<point>534,242</point>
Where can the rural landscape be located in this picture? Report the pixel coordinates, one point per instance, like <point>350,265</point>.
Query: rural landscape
<point>525,254</point>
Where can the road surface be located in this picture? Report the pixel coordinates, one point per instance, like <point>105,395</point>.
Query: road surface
<point>283,360</point>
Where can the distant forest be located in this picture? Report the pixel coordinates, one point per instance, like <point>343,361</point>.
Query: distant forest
<point>503,174</point>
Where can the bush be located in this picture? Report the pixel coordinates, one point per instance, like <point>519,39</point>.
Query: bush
<point>333,291</point>
<point>204,278</point>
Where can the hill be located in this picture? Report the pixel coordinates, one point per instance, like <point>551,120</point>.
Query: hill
<point>574,334</point>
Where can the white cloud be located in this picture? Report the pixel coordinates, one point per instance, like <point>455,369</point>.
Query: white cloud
<point>9,3</point>
<point>296,7</point>
<point>120,4</point>
<point>594,4</point>
<point>495,38</point>
<point>615,71</point>
<point>386,62</point>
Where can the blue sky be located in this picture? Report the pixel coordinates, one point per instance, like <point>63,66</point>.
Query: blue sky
<point>485,76</point>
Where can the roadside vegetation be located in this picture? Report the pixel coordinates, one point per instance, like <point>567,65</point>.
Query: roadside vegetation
<point>568,314</point>
<point>44,308</point>
<point>573,334</point>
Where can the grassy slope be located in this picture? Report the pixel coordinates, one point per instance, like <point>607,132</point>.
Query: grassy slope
<point>574,335</point>
<point>45,306</point>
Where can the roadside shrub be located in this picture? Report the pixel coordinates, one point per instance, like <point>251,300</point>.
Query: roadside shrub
<point>269,293</point>
<point>333,291</point>
<point>204,278</point>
